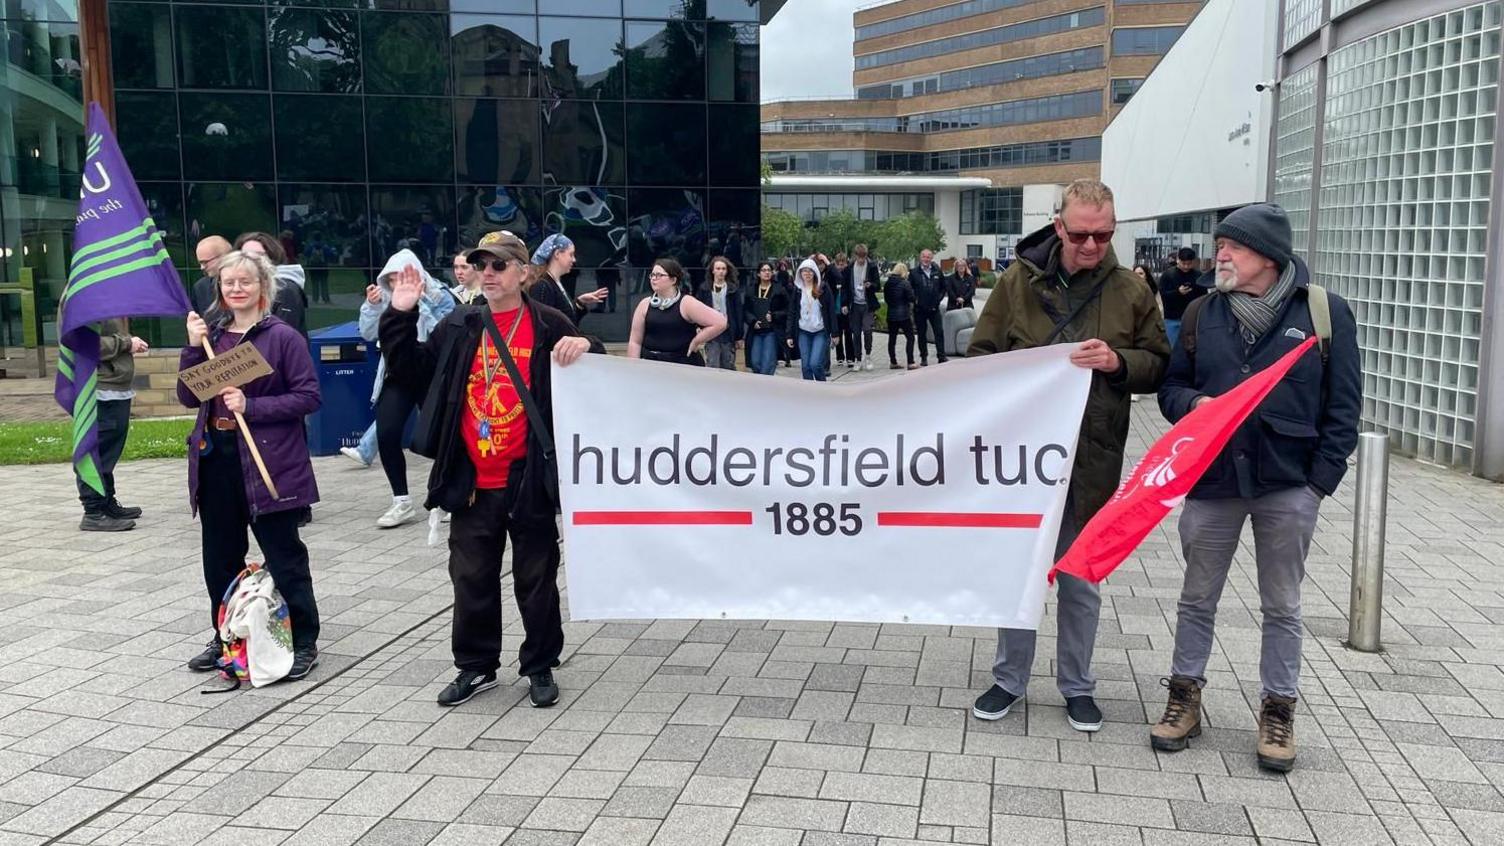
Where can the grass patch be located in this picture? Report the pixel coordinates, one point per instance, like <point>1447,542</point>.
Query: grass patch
<point>51,442</point>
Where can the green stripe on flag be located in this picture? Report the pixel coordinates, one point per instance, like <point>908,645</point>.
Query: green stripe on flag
<point>111,273</point>
<point>89,473</point>
<point>65,367</point>
<point>109,243</point>
<point>81,268</point>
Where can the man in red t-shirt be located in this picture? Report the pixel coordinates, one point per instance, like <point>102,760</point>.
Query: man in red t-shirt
<point>487,460</point>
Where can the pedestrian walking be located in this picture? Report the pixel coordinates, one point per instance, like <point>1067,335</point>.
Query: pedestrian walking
<point>809,320</point>
<point>487,424</point>
<point>670,326</point>
<point>765,315</point>
<point>1066,287</point>
<point>860,293</point>
<point>225,488</point>
<point>928,282</point>
<point>787,353</point>
<point>898,295</point>
<point>114,377</point>
<point>1290,455</point>
<point>838,278</point>
<point>721,292</point>
<point>552,261</point>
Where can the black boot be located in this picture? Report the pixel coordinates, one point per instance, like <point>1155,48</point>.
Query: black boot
<point>113,508</point>
<point>99,521</point>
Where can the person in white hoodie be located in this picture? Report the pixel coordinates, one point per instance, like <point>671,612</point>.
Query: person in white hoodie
<point>396,402</point>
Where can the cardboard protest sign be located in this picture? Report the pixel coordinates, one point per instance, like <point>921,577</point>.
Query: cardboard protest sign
<point>241,365</point>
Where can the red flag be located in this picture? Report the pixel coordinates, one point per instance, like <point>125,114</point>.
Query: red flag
<point>1166,473</point>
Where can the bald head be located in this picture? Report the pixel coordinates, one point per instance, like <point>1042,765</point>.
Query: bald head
<point>208,252</point>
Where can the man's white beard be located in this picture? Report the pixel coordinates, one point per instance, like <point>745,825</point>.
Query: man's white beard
<point>1229,282</point>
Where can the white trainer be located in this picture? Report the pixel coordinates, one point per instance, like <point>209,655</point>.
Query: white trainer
<point>398,514</point>
<point>354,455</point>
<point>867,363</point>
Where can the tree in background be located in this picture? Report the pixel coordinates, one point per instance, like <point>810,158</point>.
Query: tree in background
<point>783,234</point>
<point>903,238</point>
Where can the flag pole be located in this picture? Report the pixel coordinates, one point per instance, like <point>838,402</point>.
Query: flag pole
<point>249,441</point>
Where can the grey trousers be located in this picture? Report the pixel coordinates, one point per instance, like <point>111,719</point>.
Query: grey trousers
<point>720,354</point>
<point>1078,605</point>
<point>1283,524</point>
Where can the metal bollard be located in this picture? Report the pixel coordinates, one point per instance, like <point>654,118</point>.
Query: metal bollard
<point>1365,609</point>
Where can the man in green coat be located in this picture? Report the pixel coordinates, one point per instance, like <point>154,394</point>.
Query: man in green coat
<point>1066,287</point>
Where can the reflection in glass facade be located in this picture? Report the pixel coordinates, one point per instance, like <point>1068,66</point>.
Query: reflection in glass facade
<point>630,125</point>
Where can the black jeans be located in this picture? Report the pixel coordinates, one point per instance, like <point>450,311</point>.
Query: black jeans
<point>477,539</point>
<point>224,516</point>
<point>895,327</point>
<point>858,332</point>
<point>114,423</point>
<point>393,408</point>
<point>930,320</point>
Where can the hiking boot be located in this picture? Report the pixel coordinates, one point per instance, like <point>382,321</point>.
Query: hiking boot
<point>399,513</point>
<point>542,690</point>
<point>465,685</point>
<point>1083,713</point>
<point>304,659</point>
<point>113,508</point>
<point>994,704</point>
<point>208,659</point>
<point>1277,734</point>
<point>102,522</point>
<point>1182,718</point>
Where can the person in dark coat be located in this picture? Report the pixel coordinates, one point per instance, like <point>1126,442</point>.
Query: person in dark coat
<point>225,489</point>
<point>552,261</point>
<point>1286,458</point>
<point>960,286</point>
<point>489,469</point>
<point>721,292</point>
<point>787,353</point>
<point>898,296</point>
<point>859,291</point>
<point>1178,288</point>
<point>765,314</point>
<point>928,282</point>
<point>208,251</point>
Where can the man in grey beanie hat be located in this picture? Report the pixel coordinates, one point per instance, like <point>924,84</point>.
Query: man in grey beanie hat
<point>1286,457</point>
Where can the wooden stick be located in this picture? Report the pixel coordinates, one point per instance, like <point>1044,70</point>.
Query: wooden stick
<point>249,441</point>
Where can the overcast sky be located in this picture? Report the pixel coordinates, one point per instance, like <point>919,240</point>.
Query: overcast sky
<point>806,50</point>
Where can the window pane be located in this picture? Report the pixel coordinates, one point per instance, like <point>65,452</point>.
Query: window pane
<point>581,56</point>
<point>230,208</point>
<point>495,55</point>
<point>307,149</point>
<point>584,143</point>
<point>603,8</point>
<point>141,45</point>
<point>487,208</point>
<point>665,60</point>
<point>735,227</point>
<point>147,126</point>
<point>164,202</point>
<point>594,218</point>
<point>497,141</point>
<point>666,222</point>
<point>328,223</point>
<point>221,47</point>
<point>405,53</point>
<point>667,141</point>
<point>419,218</point>
<point>409,139</point>
<point>733,145</point>
<point>732,61</point>
<point>666,8</point>
<point>314,51</point>
<point>226,136</point>
<point>494,6</point>
<point>733,10</point>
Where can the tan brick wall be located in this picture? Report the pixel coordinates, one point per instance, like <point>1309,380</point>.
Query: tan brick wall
<point>897,10</point>
<point>795,109</point>
<point>1134,66</point>
<point>1155,14</point>
<point>905,141</point>
<point>156,385</point>
<point>975,23</point>
<point>1019,176</point>
<point>1053,43</point>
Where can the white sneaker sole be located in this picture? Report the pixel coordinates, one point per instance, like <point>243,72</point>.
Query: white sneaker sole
<point>384,524</point>
<point>1086,727</point>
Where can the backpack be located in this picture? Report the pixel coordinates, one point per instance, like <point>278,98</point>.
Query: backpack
<point>255,631</point>
<point>1316,299</point>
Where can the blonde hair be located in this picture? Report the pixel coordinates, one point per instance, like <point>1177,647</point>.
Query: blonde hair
<point>261,267</point>
<point>900,270</point>
<point>1089,192</point>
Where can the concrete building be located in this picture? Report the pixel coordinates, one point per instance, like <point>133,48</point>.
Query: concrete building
<point>1378,132</point>
<point>1013,92</point>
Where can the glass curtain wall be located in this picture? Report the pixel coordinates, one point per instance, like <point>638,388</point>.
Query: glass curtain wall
<point>351,133</point>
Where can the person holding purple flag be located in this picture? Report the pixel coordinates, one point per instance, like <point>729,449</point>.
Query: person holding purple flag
<point>120,269</point>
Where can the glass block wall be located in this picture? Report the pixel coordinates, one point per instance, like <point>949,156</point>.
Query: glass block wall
<point>1302,17</point>
<point>1407,165</point>
<point>1295,156</point>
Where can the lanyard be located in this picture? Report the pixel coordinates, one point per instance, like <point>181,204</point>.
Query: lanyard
<point>485,357</point>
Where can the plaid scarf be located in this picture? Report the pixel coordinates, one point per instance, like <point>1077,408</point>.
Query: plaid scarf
<point>1257,315</point>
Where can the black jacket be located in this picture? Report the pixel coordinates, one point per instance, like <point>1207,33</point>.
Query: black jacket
<point>204,295</point>
<point>959,290</point>
<point>443,363</point>
<point>546,291</point>
<point>898,295</point>
<point>827,311</point>
<point>870,286</point>
<point>765,314</point>
<point>1304,431</point>
<point>734,294</point>
<point>929,289</point>
<point>1169,291</point>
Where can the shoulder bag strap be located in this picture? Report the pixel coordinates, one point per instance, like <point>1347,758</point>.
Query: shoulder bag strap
<point>534,416</point>
<point>1060,325</point>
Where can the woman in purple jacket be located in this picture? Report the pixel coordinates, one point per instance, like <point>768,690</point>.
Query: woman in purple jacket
<point>224,487</point>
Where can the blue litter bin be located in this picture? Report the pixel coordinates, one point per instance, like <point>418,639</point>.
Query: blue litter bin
<point>346,365</point>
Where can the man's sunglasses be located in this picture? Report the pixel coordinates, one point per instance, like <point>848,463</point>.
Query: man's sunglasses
<point>1079,238</point>
<point>498,265</point>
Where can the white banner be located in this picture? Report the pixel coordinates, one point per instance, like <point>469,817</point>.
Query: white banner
<point>933,497</point>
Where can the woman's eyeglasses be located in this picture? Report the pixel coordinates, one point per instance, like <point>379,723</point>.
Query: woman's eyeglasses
<point>659,275</point>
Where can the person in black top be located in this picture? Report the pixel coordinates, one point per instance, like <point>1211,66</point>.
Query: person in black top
<point>1177,288</point>
<point>552,261</point>
<point>961,286</point>
<point>670,326</point>
<point>898,296</point>
<point>786,353</point>
<point>928,282</point>
<point>765,311</point>
<point>859,297</point>
<point>209,250</point>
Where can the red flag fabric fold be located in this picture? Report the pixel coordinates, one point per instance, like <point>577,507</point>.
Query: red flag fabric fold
<point>1166,473</point>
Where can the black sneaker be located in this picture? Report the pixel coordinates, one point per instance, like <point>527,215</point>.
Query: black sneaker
<point>542,690</point>
<point>113,508</point>
<point>465,685</point>
<point>304,659</point>
<point>994,704</point>
<point>1083,713</point>
<point>102,522</point>
<point>208,659</point>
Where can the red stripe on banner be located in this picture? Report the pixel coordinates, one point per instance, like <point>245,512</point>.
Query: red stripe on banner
<point>954,520</point>
<point>662,518</point>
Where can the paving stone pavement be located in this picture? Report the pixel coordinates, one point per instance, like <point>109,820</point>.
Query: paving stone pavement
<point>737,732</point>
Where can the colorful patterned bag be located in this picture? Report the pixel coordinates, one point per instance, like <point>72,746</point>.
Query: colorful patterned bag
<point>255,631</point>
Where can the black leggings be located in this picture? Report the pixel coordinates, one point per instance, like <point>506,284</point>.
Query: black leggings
<point>894,328</point>
<point>393,408</point>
